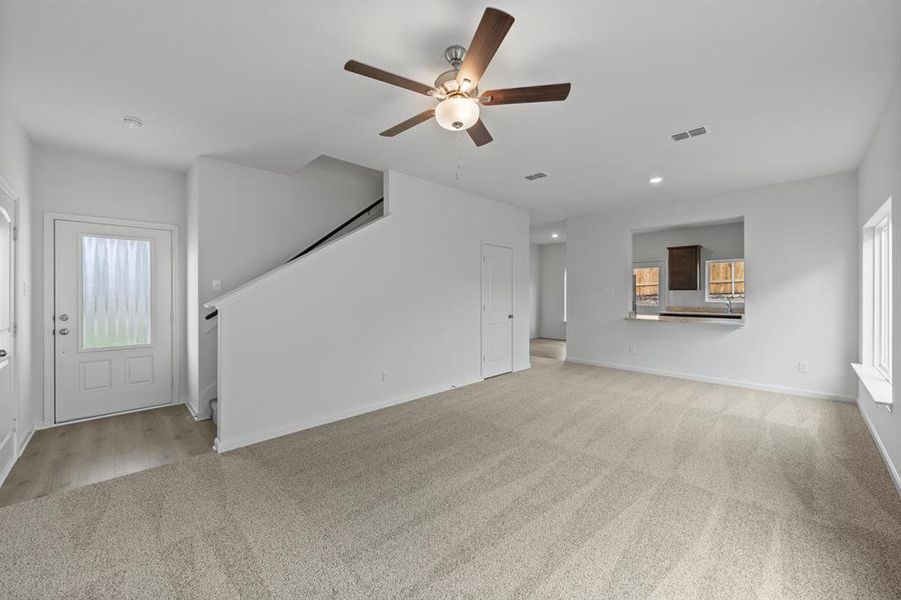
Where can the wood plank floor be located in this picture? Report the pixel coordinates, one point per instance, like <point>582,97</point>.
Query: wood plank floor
<point>71,456</point>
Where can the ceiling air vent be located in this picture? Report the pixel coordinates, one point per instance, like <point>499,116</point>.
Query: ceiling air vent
<point>535,176</point>
<point>684,135</point>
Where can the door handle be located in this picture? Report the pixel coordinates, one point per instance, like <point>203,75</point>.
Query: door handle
<point>2,353</point>
<point>63,331</point>
<point>509,316</point>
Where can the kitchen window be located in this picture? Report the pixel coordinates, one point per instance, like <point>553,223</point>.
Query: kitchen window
<point>725,280</point>
<point>646,286</point>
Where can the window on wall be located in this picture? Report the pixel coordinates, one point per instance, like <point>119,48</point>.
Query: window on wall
<point>882,297</point>
<point>647,285</point>
<point>725,280</point>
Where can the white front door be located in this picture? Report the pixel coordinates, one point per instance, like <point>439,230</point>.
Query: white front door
<point>112,318</point>
<point>497,310</point>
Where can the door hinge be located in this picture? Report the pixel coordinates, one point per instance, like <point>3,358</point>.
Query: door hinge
<point>15,234</point>
<point>172,317</point>
<point>15,329</point>
<point>483,358</point>
<point>172,382</point>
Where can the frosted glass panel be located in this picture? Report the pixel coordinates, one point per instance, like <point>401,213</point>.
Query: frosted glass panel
<point>115,284</point>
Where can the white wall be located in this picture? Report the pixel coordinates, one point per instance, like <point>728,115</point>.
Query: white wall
<point>879,178</point>
<point>246,221</point>
<point>799,236</point>
<point>400,297</point>
<point>15,168</point>
<point>80,183</point>
<point>725,240</point>
<point>534,283</point>
<point>550,295</point>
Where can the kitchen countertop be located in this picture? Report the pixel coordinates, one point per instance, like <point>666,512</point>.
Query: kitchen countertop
<point>729,322</point>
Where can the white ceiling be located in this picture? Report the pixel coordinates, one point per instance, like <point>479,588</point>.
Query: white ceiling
<point>788,89</point>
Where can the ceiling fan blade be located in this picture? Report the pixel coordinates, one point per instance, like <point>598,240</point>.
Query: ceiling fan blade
<point>536,93</point>
<point>367,71</point>
<point>412,121</point>
<point>488,37</point>
<point>479,133</point>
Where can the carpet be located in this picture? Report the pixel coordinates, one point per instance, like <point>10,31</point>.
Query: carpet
<point>563,481</point>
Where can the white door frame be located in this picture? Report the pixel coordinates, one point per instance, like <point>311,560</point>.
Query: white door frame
<point>18,443</point>
<point>482,297</point>
<point>47,315</point>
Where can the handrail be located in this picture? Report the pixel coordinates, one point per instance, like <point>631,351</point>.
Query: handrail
<point>321,240</point>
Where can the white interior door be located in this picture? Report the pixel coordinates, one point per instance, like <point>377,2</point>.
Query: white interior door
<point>112,318</point>
<point>8,409</point>
<point>497,310</point>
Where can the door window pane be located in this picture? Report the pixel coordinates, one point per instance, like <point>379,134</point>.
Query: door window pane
<point>115,288</point>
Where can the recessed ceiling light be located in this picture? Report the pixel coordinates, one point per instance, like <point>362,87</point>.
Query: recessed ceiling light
<point>130,122</point>
<point>555,235</point>
<point>655,180</point>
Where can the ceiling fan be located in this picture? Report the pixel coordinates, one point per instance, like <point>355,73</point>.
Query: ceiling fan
<point>457,89</point>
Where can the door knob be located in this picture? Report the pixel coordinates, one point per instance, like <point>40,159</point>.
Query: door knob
<point>2,353</point>
<point>63,331</point>
<point>509,316</point>
<point>64,317</point>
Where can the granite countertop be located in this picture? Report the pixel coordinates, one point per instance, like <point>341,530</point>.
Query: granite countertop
<point>716,320</point>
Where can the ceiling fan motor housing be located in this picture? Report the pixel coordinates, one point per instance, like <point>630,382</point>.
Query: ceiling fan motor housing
<point>455,55</point>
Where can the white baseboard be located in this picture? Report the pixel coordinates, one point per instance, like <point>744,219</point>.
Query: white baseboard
<point>202,412</point>
<point>7,457</point>
<point>191,409</point>
<point>892,469</point>
<point>261,436</point>
<point>25,442</point>
<point>555,337</point>
<point>7,463</point>
<point>779,389</point>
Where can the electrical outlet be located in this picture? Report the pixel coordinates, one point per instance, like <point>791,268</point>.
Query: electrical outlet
<point>609,291</point>
<point>217,285</point>
<point>384,376</point>
<point>633,349</point>
<point>803,367</point>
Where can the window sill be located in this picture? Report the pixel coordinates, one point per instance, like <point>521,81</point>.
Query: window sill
<point>879,389</point>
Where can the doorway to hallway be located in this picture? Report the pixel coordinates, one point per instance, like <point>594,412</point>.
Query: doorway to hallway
<point>548,348</point>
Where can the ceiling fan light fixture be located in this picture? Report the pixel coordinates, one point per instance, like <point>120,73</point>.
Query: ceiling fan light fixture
<point>457,113</point>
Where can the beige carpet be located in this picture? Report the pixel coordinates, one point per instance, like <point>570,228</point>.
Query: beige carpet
<point>564,481</point>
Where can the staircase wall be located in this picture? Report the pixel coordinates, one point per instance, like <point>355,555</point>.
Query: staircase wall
<point>242,222</point>
<point>388,314</point>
